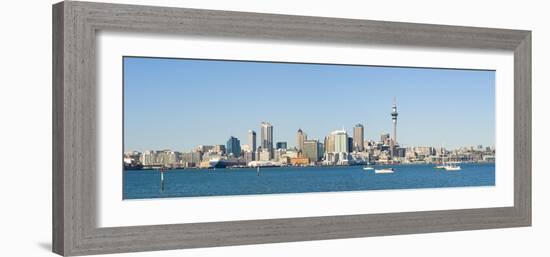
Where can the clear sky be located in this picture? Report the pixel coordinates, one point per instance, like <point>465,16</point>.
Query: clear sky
<point>178,104</point>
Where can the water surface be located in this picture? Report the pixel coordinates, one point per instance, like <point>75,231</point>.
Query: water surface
<point>143,184</point>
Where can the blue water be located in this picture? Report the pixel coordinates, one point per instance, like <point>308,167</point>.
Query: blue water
<point>143,184</point>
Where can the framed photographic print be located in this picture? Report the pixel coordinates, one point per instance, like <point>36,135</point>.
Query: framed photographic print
<point>183,128</point>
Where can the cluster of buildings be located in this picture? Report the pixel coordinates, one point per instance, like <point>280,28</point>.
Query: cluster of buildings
<point>336,148</point>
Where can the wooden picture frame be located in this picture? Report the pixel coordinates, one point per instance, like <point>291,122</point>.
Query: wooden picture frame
<point>75,25</point>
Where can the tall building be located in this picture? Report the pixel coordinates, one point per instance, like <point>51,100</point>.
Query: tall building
<point>311,150</point>
<point>329,143</point>
<point>350,144</point>
<point>321,149</point>
<point>252,143</point>
<point>337,146</point>
<point>281,145</point>
<point>266,134</point>
<point>300,138</point>
<point>358,138</point>
<point>394,121</point>
<point>233,147</point>
<point>340,141</point>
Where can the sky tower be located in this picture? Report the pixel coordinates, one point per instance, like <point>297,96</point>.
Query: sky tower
<point>394,120</point>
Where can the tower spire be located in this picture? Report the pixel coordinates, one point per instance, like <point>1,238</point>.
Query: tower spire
<point>394,121</point>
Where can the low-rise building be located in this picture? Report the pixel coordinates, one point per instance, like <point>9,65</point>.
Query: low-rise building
<point>299,161</point>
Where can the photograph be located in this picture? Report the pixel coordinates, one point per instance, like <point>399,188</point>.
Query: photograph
<point>200,127</point>
<point>136,128</point>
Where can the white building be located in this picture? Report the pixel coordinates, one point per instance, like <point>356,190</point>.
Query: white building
<point>148,158</point>
<point>337,148</point>
<point>266,137</point>
<point>340,141</point>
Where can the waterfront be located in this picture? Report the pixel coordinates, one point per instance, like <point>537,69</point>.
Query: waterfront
<point>144,184</point>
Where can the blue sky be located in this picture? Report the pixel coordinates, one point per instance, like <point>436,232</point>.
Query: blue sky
<point>179,103</point>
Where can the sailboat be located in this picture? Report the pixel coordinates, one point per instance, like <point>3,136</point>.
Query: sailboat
<point>449,166</point>
<point>441,166</point>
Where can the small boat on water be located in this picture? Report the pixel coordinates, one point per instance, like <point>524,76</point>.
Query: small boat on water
<point>452,167</point>
<point>448,166</point>
<point>384,171</point>
<point>368,168</point>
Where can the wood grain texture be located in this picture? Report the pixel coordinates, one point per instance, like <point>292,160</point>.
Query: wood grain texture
<point>75,25</point>
<point>58,230</point>
<point>522,129</point>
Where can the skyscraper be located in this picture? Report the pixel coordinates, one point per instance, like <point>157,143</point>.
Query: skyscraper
<point>329,143</point>
<point>233,147</point>
<point>252,144</point>
<point>340,141</point>
<point>300,138</point>
<point>266,134</point>
<point>321,147</point>
<point>252,140</point>
<point>311,150</point>
<point>336,150</point>
<point>394,120</point>
<point>358,138</point>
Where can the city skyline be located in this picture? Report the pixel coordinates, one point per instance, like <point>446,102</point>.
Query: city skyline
<point>210,101</point>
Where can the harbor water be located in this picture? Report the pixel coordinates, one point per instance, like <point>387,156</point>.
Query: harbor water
<point>145,184</point>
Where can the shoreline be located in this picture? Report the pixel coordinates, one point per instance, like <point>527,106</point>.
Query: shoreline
<point>293,167</point>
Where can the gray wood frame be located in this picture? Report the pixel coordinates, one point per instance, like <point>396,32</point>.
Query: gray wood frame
<point>74,126</point>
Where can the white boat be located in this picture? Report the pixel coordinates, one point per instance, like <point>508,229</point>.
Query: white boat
<point>384,171</point>
<point>452,167</point>
<point>368,168</point>
<point>448,166</point>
